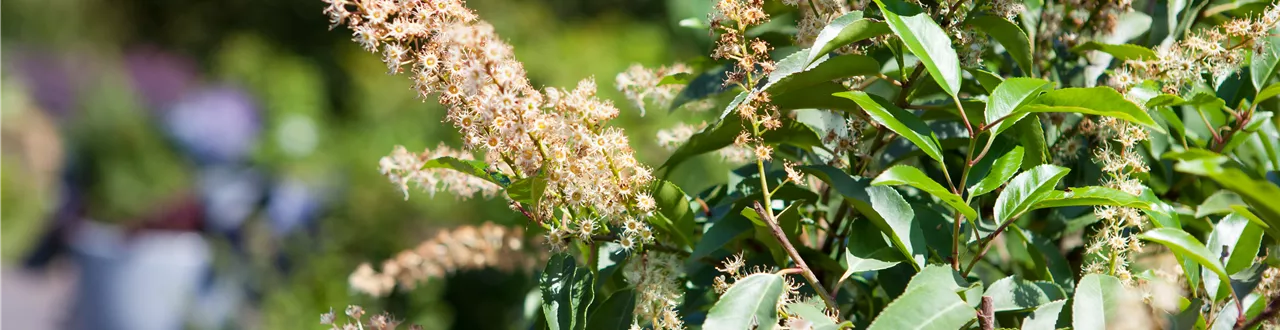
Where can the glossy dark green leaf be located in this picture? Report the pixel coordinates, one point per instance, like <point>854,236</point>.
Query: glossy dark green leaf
<point>882,205</point>
<point>899,121</point>
<point>1001,171</point>
<point>567,290</point>
<point>1026,190</point>
<point>924,38</point>
<point>750,301</point>
<point>1102,101</point>
<point>838,67</point>
<point>988,80</point>
<point>1030,135</point>
<point>1091,196</point>
<point>1258,193</point>
<point>844,30</point>
<point>615,313</point>
<point>911,176</point>
<point>721,134</point>
<point>1123,52</point>
<point>721,233</point>
<point>1008,97</point>
<point>1096,302</point>
<point>1009,35</point>
<point>528,190</point>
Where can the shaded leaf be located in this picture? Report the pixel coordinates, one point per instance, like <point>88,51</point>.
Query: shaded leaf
<point>844,30</point>
<point>1026,189</point>
<point>1009,35</point>
<point>615,313</point>
<point>674,205</point>
<point>1045,317</point>
<point>1001,170</point>
<point>1183,243</point>
<point>567,290</point>
<point>1015,294</point>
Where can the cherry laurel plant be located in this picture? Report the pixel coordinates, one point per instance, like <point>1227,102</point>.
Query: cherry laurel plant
<point>904,164</point>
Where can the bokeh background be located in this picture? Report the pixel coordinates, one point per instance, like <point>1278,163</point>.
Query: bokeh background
<point>213,164</point>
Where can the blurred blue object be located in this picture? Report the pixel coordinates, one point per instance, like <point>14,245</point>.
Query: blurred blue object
<point>217,125</point>
<point>230,194</point>
<point>293,203</point>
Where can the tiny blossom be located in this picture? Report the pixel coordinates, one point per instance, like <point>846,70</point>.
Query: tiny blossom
<point>658,289</point>
<point>764,152</point>
<point>403,167</point>
<point>641,85</point>
<point>462,248</point>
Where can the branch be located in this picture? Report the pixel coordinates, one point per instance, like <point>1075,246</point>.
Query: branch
<point>986,314</point>
<point>791,250</point>
<point>1273,308</point>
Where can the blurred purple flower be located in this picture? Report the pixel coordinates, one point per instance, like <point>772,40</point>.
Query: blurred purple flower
<point>215,125</point>
<point>160,78</point>
<point>54,80</point>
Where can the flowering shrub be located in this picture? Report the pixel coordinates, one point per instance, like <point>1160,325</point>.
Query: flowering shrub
<point>939,165</point>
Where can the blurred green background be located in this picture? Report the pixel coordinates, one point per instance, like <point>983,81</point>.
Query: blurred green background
<point>86,84</point>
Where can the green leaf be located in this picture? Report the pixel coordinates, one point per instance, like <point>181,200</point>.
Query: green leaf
<point>1262,65</point>
<point>924,38</point>
<point>1219,203</point>
<point>528,190</point>
<point>1049,262</point>
<point>1026,189</point>
<point>1001,170</point>
<point>988,80</point>
<point>1102,101</point>
<point>1097,301</point>
<point>1045,317</point>
<point>812,313</point>
<point>566,293</point>
<point>1258,193</point>
<point>926,308</point>
<point>476,168</point>
<point>880,259</point>
<point>1243,239</point>
<point>1008,97</point>
<point>720,234</point>
<point>721,134</point>
<point>911,176</point>
<point>1183,243</point>
<point>1267,93</point>
<point>1030,134</point>
<point>1123,52</point>
<point>1015,294</point>
<point>1009,35</point>
<point>615,313</point>
<point>882,205</point>
<point>899,121</point>
<point>937,277</point>
<point>678,78</point>
<point>1091,196</point>
<point>782,82</point>
<point>844,30</point>
<point>674,205</point>
<point>750,301</point>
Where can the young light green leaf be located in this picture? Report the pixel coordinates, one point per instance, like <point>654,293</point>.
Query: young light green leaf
<point>1015,294</point>
<point>674,205</point>
<point>1123,52</point>
<point>1026,189</point>
<point>911,176</point>
<point>1097,301</point>
<point>1102,101</point>
<point>1008,97</point>
<point>476,168</point>
<point>883,206</point>
<point>1091,196</point>
<point>844,30</point>
<point>751,300</point>
<point>899,121</point>
<point>567,290</point>
<point>1045,317</point>
<point>1001,170</point>
<point>988,80</point>
<point>1188,246</point>
<point>926,308</point>
<point>1009,35</point>
<point>924,38</point>
<point>1219,203</point>
<point>1268,92</point>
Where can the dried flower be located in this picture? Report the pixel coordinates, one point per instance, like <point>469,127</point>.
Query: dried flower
<point>641,85</point>
<point>464,247</point>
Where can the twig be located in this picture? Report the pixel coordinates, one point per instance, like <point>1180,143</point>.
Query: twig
<point>986,314</point>
<point>1273,309</point>
<point>791,250</point>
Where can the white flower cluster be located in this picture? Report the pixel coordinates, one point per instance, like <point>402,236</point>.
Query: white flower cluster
<point>403,167</point>
<point>590,169</point>
<point>462,248</point>
<point>658,290</point>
